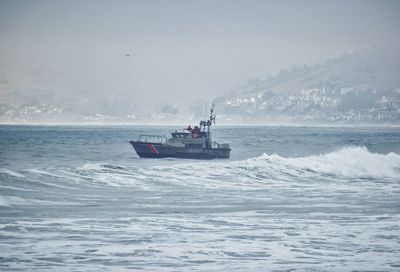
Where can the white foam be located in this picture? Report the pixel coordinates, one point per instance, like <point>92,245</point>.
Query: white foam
<point>11,173</point>
<point>91,166</point>
<point>346,163</point>
<point>350,162</point>
<point>102,166</point>
<point>39,172</point>
<point>22,201</point>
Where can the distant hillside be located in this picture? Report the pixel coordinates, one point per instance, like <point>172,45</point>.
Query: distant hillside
<point>360,87</point>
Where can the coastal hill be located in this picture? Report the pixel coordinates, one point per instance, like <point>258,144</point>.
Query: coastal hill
<point>362,87</point>
<point>358,87</point>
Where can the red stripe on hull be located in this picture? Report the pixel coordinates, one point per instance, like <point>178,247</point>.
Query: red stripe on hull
<point>153,150</point>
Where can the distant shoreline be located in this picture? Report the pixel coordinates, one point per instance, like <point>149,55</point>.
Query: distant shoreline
<point>184,125</point>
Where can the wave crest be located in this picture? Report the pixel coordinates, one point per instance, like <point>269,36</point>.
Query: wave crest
<point>349,162</point>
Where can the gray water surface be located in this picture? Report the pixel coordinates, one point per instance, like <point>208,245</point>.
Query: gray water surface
<point>315,199</point>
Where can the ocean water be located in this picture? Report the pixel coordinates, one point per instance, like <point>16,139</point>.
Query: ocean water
<point>289,198</point>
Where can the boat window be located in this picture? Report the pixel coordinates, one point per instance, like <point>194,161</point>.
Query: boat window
<point>180,135</point>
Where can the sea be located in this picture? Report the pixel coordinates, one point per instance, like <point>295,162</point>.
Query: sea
<point>78,198</point>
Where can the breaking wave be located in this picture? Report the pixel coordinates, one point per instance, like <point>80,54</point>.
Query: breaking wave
<point>350,163</point>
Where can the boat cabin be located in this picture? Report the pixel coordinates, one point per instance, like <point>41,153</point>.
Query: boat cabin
<point>188,135</point>
<point>181,134</point>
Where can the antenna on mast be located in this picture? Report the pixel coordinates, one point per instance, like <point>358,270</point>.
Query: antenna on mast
<point>212,116</point>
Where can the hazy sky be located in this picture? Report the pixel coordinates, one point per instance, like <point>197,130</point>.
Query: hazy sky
<point>179,51</point>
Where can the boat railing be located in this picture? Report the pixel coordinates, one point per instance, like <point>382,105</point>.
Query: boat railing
<point>225,146</point>
<point>217,145</point>
<point>147,138</point>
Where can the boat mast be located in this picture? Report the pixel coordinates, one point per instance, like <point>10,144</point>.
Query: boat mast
<point>212,119</point>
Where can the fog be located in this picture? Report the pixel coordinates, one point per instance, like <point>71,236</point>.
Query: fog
<point>141,55</point>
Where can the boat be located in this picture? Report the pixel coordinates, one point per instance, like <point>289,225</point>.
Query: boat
<point>189,143</point>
